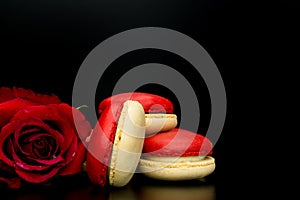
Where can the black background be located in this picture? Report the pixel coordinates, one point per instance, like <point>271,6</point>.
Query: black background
<point>253,44</point>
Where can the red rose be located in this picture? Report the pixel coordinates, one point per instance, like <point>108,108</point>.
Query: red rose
<point>38,137</point>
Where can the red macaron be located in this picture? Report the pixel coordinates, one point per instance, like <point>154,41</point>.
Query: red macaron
<point>115,145</point>
<point>177,155</point>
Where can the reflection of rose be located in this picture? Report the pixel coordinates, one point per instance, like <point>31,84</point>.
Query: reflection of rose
<point>38,138</point>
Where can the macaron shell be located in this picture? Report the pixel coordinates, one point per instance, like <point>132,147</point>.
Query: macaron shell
<point>177,142</point>
<point>160,122</point>
<point>128,144</point>
<point>100,145</point>
<point>150,102</point>
<point>177,171</point>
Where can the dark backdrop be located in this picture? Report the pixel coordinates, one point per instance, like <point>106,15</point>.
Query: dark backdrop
<point>43,44</point>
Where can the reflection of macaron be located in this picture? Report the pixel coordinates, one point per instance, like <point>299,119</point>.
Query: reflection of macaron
<point>177,155</point>
<point>158,110</point>
<point>116,144</point>
<point>178,192</point>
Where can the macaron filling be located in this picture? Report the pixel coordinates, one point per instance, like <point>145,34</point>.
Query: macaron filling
<point>156,122</point>
<point>176,159</point>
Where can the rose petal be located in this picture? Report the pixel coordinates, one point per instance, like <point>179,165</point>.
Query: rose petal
<point>67,131</point>
<point>51,162</point>
<point>51,113</point>
<point>40,112</point>
<point>78,121</point>
<point>6,168</point>
<point>35,122</point>
<point>75,165</point>
<point>51,145</point>
<point>70,137</point>
<point>12,100</point>
<point>37,177</point>
<point>44,164</point>
<point>30,151</point>
<point>35,97</point>
<point>6,94</point>
<point>71,151</point>
<point>9,108</point>
<point>68,128</point>
<point>65,137</point>
<point>45,147</point>
<point>6,131</point>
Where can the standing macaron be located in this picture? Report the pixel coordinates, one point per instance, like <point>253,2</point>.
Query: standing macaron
<point>116,144</point>
<point>177,155</point>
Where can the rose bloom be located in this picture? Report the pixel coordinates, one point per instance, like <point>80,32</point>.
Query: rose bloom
<point>38,137</point>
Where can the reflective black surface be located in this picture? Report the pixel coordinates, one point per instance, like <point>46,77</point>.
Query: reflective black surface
<point>43,44</point>
<point>140,187</point>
